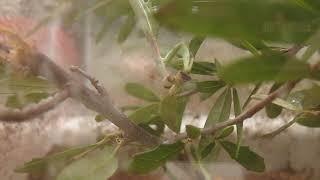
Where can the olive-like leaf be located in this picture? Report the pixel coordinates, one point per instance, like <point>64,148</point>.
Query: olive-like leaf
<point>253,47</point>
<point>171,111</point>
<point>269,20</point>
<point>145,114</point>
<point>139,91</point>
<point>109,13</point>
<point>182,50</point>
<point>225,132</point>
<point>14,101</point>
<point>237,111</point>
<point>100,118</point>
<point>195,44</point>
<point>199,67</point>
<point>36,97</point>
<point>172,54</point>
<point>207,150</point>
<point>280,102</point>
<point>98,165</point>
<point>126,28</point>
<point>193,132</point>
<point>271,67</point>
<point>220,111</point>
<point>247,158</point>
<point>39,164</point>
<point>307,98</point>
<point>151,160</point>
<point>156,126</point>
<point>209,87</point>
<point>308,120</point>
<point>273,110</point>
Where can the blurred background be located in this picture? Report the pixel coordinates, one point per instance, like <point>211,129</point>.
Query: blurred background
<point>91,41</point>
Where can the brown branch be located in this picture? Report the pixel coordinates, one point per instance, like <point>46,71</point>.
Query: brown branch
<point>100,103</point>
<point>41,65</point>
<point>16,115</point>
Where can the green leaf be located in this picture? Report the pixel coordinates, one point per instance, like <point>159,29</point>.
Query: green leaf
<point>159,126</point>
<point>253,47</point>
<point>269,20</point>
<point>100,118</point>
<point>247,158</point>
<point>36,97</point>
<point>139,91</point>
<point>40,164</point>
<point>273,110</point>
<point>226,132</point>
<point>200,67</point>
<point>271,67</point>
<point>237,111</point>
<point>151,160</point>
<point>98,165</point>
<point>195,44</point>
<point>308,120</point>
<point>280,102</point>
<point>171,111</point>
<point>187,61</point>
<point>307,98</point>
<point>145,114</point>
<point>172,54</point>
<point>109,13</point>
<point>126,28</point>
<point>203,68</point>
<point>220,111</point>
<point>192,131</point>
<point>14,101</point>
<point>209,87</point>
<point>207,150</point>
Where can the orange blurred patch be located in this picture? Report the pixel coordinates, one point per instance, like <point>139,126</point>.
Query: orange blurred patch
<point>51,40</point>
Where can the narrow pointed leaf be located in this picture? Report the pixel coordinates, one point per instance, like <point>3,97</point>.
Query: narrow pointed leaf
<point>195,44</point>
<point>308,120</point>
<point>139,91</point>
<point>98,165</point>
<point>220,111</point>
<point>151,160</point>
<point>273,110</point>
<point>126,28</point>
<point>209,87</point>
<point>145,114</point>
<point>193,132</point>
<point>279,102</point>
<point>226,132</point>
<point>237,111</point>
<point>275,67</point>
<point>269,20</point>
<point>40,164</point>
<point>200,67</point>
<point>247,158</point>
<point>171,111</point>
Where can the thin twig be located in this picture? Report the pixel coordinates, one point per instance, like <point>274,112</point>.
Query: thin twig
<point>245,115</point>
<point>158,59</point>
<point>16,115</point>
<point>278,131</point>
